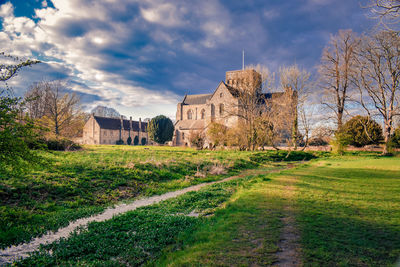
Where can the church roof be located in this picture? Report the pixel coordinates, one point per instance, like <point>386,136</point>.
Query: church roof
<point>196,99</point>
<point>190,124</point>
<point>115,124</point>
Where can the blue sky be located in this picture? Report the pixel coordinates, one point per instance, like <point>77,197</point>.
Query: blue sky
<point>142,56</point>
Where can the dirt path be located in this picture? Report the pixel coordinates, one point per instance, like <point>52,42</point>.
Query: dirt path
<point>13,253</point>
<point>289,248</point>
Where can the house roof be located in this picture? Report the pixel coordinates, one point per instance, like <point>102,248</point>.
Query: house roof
<point>196,99</point>
<point>115,124</point>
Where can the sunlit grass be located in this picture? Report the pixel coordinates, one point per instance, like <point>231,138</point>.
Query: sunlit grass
<point>77,184</point>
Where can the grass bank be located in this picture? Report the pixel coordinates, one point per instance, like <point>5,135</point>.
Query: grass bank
<point>77,184</point>
<point>142,236</point>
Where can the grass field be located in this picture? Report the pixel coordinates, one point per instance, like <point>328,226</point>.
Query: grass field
<point>77,184</point>
<point>347,211</point>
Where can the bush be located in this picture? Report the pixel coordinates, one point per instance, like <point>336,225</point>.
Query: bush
<point>136,140</point>
<point>16,132</point>
<point>144,141</point>
<point>395,140</point>
<point>129,140</point>
<point>281,155</point>
<point>318,141</point>
<point>62,145</point>
<point>197,139</point>
<point>161,129</point>
<point>120,142</point>
<point>360,131</point>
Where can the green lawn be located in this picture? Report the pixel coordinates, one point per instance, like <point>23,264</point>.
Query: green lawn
<point>77,184</point>
<point>349,211</point>
<point>233,209</point>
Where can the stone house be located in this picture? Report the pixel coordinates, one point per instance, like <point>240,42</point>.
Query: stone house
<point>197,112</point>
<point>107,131</point>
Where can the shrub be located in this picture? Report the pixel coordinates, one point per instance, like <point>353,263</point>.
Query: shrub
<point>161,129</point>
<point>120,142</point>
<point>136,140</point>
<point>197,138</point>
<point>144,141</point>
<point>361,131</point>
<point>395,140</point>
<point>281,155</point>
<point>318,141</point>
<point>129,140</point>
<point>62,144</point>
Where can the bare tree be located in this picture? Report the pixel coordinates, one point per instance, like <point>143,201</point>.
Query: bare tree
<point>336,70</point>
<point>387,11</point>
<point>103,111</point>
<point>378,78</point>
<point>55,109</point>
<point>298,80</point>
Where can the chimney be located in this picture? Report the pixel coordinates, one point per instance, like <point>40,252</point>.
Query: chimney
<point>121,129</point>
<point>130,125</point>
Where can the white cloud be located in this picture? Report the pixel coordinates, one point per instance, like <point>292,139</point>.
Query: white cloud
<point>165,14</point>
<point>72,33</point>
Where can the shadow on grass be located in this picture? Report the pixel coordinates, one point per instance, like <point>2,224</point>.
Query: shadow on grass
<point>349,217</point>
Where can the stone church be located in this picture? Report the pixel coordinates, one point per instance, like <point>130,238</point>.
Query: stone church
<point>197,112</point>
<point>102,130</point>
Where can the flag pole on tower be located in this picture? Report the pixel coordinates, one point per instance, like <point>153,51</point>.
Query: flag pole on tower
<point>243,59</point>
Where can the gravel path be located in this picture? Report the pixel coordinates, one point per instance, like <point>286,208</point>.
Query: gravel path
<point>13,253</point>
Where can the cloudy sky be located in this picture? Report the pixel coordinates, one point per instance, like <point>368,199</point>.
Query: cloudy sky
<point>142,56</point>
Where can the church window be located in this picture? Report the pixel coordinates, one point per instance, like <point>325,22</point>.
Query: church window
<point>221,95</point>
<point>212,110</point>
<point>105,133</point>
<point>189,114</point>
<point>183,136</point>
<point>203,114</point>
<point>221,109</point>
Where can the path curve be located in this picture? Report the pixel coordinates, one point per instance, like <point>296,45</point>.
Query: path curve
<point>14,253</point>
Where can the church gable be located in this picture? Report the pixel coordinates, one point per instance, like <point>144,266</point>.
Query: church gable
<point>222,94</point>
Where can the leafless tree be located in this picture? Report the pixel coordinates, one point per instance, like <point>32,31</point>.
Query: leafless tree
<point>55,109</point>
<point>298,80</point>
<point>387,11</point>
<point>336,70</point>
<point>378,78</point>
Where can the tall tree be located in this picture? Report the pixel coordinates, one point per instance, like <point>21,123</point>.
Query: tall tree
<point>298,80</point>
<point>388,12</point>
<point>378,78</point>
<point>103,111</point>
<point>15,130</point>
<point>161,129</point>
<point>55,109</point>
<point>336,70</point>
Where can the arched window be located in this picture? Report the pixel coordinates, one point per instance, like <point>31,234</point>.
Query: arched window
<point>189,114</point>
<point>203,114</point>
<point>212,110</point>
<point>221,109</point>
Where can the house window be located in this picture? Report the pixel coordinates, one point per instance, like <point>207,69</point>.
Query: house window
<point>105,133</point>
<point>221,109</point>
<point>203,114</point>
<point>212,110</point>
<point>189,114</point>
<point>111,133</point>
